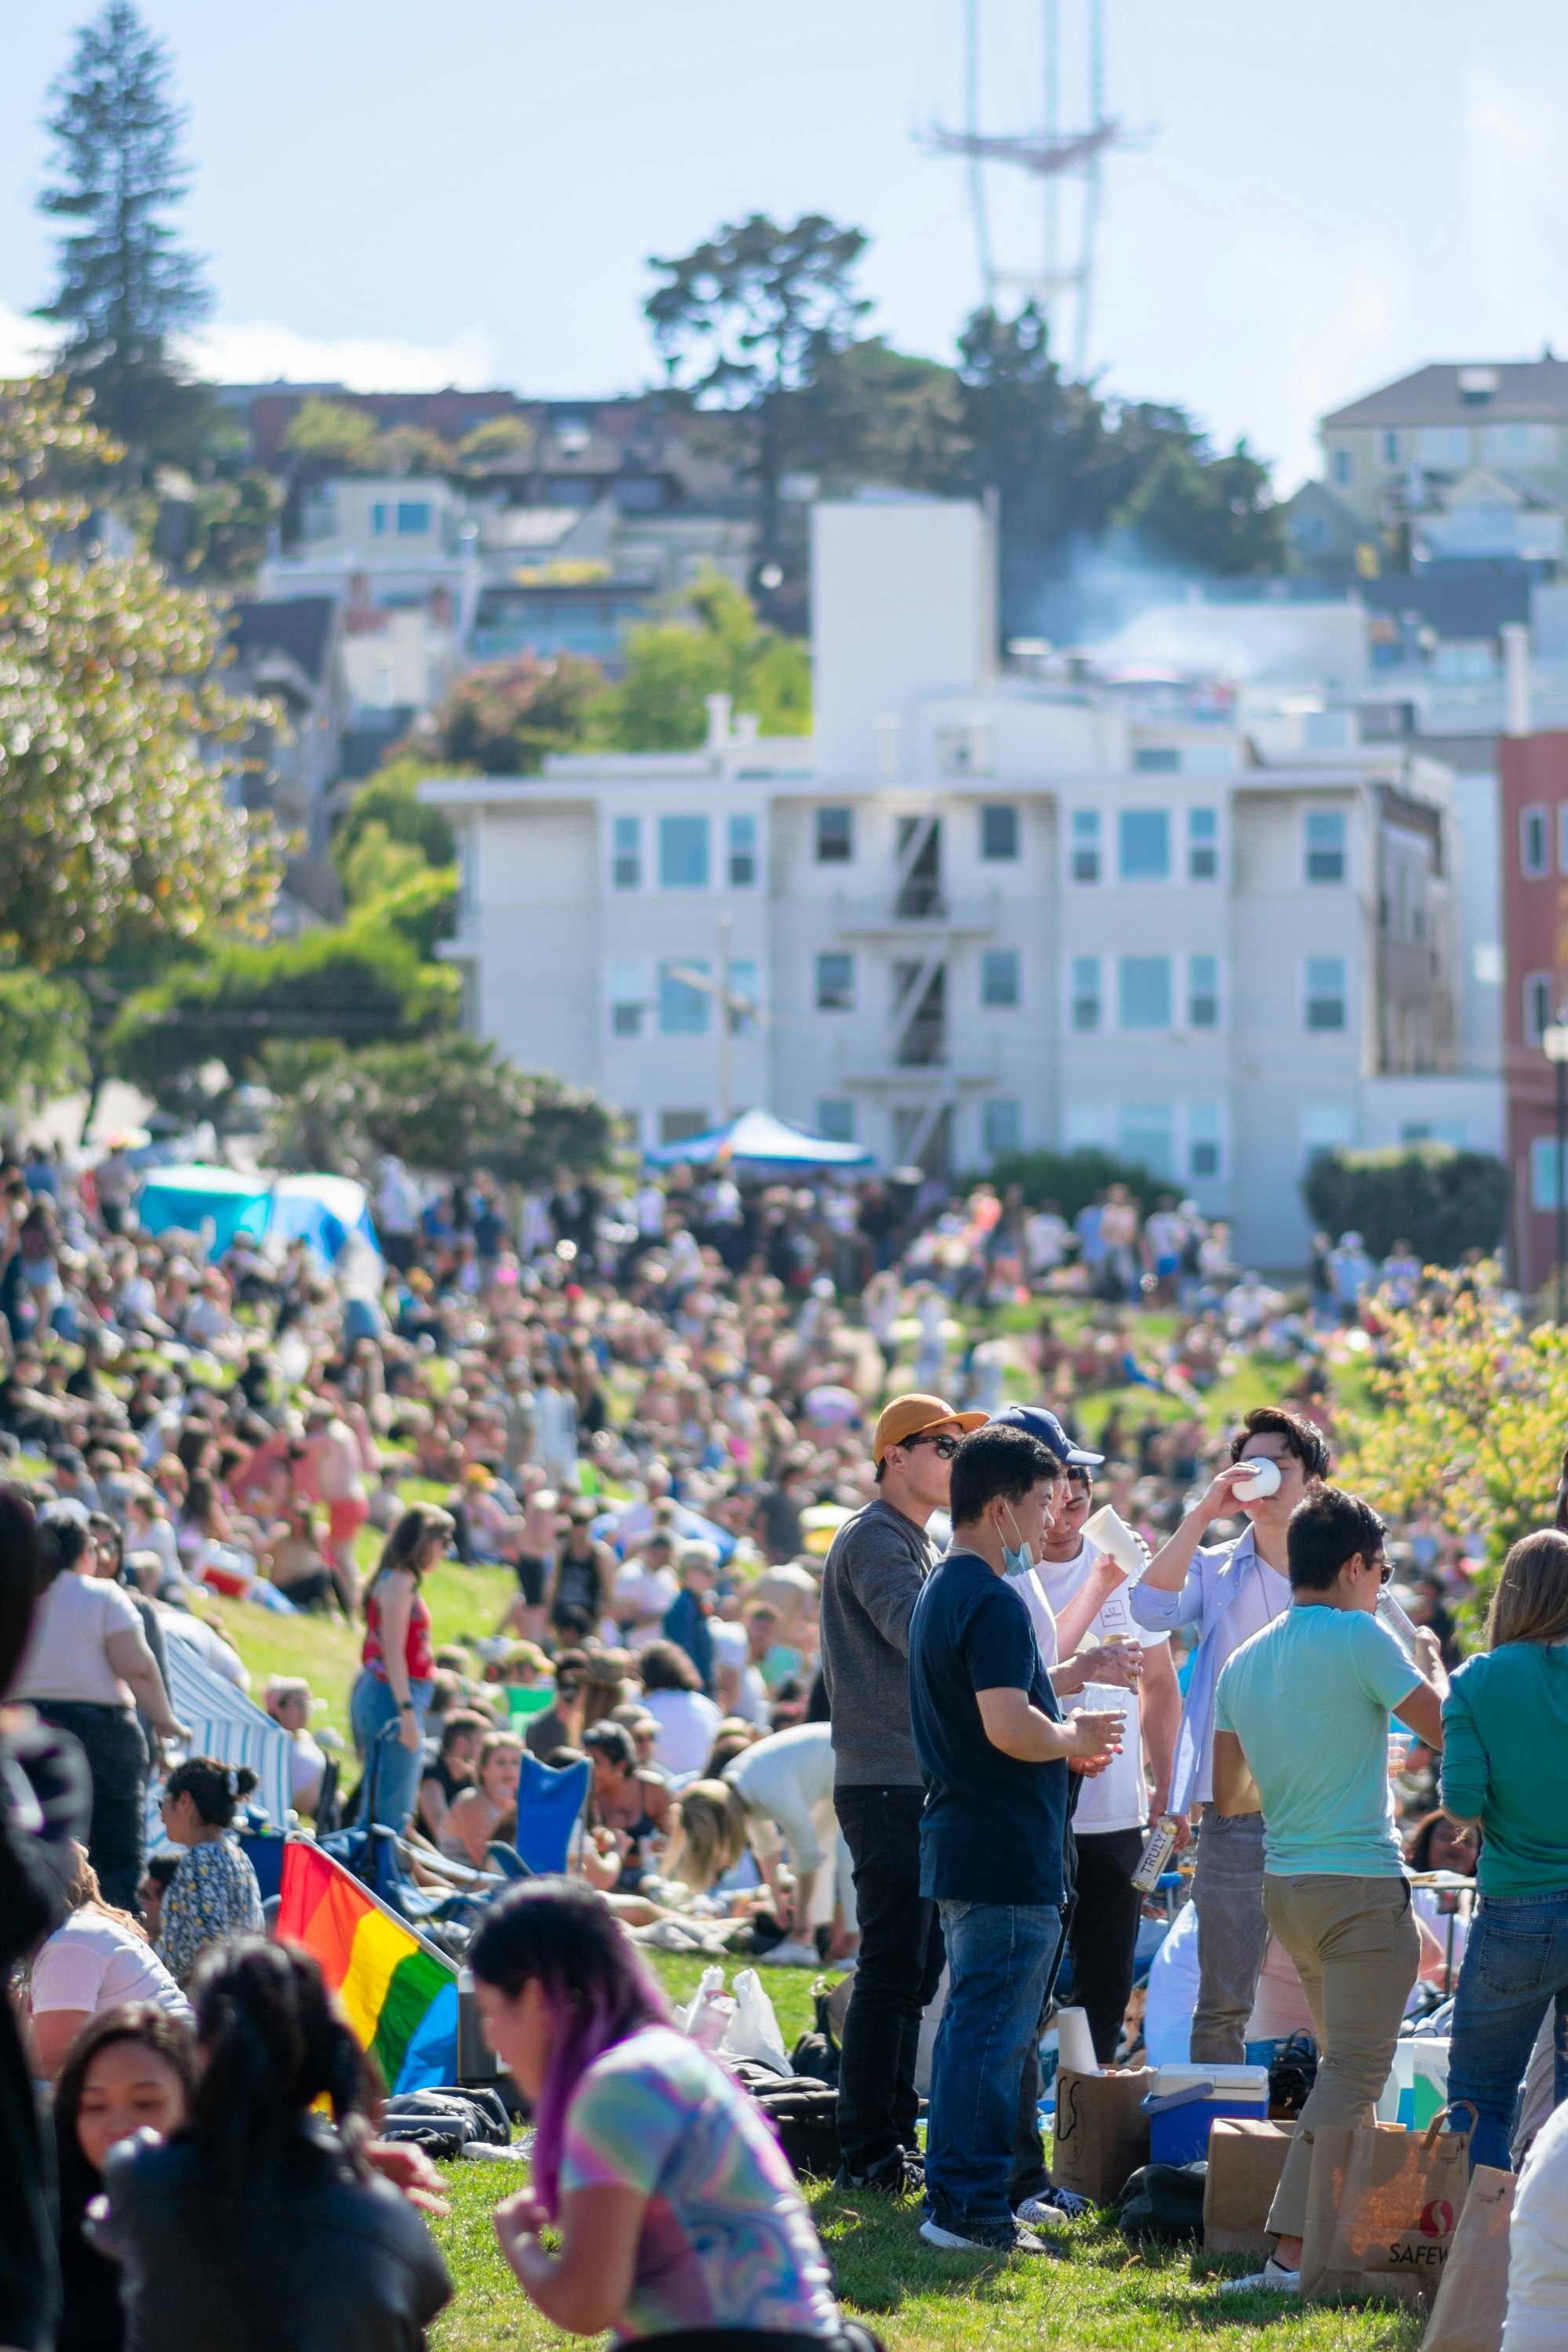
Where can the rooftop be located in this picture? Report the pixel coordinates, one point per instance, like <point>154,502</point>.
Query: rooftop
<point>1458,393</point>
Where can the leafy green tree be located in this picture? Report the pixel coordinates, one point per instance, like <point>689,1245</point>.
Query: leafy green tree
<point>355,986</point>
<point>127,288</point>
<point>660,704</point>
<point>413,449</point>
<point>870,414</point>
<point>752,314</point>
<point>390,799</point>
<point>503,717</point>
<point>118,740</point>
<point>1441,1202</point>
<point>1212,515</point>
<point>1072,1178</point>
<point>43,1037</point>
<point>1468,1414</point>
<point>450,1106</point>
<point>329,434</point>
<point>495,440</point>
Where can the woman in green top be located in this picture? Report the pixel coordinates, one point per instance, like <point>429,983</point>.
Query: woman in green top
<point>1505,1766</point>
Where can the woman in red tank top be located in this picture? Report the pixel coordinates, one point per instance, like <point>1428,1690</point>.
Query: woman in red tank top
<point>396,1676</point>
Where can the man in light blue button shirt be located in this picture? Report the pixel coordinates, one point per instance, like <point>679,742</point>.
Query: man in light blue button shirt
<point>1229,1592</point>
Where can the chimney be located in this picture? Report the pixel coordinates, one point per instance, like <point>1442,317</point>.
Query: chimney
<point>718,721</point>
<point>1515,678</point>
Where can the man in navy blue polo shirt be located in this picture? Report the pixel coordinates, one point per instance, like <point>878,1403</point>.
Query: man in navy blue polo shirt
<point>993,1749</point>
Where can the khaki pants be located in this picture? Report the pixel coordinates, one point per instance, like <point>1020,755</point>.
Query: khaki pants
<point>1356,1949</point>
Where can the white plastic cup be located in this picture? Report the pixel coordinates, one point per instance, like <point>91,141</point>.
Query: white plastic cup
<point>1264,1480</point>
<point>1110,1533</point>
<point>1075,2043</point>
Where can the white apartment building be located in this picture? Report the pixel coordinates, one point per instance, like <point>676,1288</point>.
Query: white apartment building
<point>980,913</point>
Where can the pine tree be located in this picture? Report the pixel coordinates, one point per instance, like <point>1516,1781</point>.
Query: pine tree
<point>126,287</point>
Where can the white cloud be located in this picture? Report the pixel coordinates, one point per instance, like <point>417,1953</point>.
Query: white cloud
<point>25,342</point>
<point>265,353</point>
<point>262,352</point>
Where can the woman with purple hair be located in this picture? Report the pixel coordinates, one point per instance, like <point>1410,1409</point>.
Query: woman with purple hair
<point>680,2218</point>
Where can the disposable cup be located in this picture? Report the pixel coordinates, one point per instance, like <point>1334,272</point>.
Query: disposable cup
<point>1075,2042</point>
<point>1108,1532</point>
<point>1264,1480</point>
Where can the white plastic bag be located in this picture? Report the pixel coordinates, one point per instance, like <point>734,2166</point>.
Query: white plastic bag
<point>753,2031</point>
<point>707,2015</point>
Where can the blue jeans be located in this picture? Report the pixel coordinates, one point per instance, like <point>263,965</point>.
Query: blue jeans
<point>395,1770</point>
<point>1515,1968</point>
<point>1233,1934</point>
<point>999,1957</point>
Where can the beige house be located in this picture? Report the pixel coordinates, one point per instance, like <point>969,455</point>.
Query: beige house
<point>1407,447</point>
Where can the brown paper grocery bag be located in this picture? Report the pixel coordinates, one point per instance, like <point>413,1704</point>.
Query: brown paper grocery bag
<point>1246,2160</point>
<point>1382,2205</point>
<point>1468,2315</point>
<point>1102,2133</point>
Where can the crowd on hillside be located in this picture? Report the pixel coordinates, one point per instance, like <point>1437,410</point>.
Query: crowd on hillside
<point>663,1410</point>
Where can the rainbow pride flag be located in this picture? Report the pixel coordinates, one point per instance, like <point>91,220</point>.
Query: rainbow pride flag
<point>401,1994</point>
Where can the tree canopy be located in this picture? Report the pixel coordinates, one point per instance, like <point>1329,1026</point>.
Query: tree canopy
<point>660,703</point>
<point>127,287</point>
<point>117,737</point>
<point>503,717</point>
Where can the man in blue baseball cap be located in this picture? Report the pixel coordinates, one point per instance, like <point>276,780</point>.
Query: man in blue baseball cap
<point>1041,1423</point>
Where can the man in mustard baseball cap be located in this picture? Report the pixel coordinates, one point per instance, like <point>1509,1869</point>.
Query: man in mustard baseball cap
<point>878,1563</point>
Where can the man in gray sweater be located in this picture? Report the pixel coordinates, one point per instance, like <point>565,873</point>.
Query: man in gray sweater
<point>877,1564</point>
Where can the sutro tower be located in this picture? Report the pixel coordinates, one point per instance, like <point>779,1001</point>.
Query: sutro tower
<point>1049,155</point>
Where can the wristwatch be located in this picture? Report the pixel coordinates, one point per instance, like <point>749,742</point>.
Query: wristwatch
<point>406,1707</point>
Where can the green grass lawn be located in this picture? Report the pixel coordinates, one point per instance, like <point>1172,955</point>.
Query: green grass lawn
<point>1102,2294</point>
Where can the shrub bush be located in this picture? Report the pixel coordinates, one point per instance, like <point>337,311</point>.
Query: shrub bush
<point>1072,1178</point>
<point>1441,1201</point>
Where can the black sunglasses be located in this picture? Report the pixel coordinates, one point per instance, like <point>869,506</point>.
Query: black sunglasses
<point>946,1444</point>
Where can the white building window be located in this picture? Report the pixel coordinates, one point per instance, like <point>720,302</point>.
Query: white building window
<point>625,853</point>
<point>1203,844</point>
<point>1001,1127</point>
<point>1342,469</point>
<point>1545,1174</point>
<point>1445,446</point>
<point>1533,860</point>
<point>836,983</point>
<point>743,853</point>
<point>380,518</point>
<point>1537,1006</point>
<point>999,832</point>
<point>684,1009</point>
<point>1325,1004</point>
<point>628,1000</point>
<point>999,982</point>
<point>680,1126</point>
<point>1391,448</point>
<point>413,517</point>
<point>1083,998</point>
<point>835,836</point>
<point>1205,1143</point>
<point>1145,1134</point>
<point>835,1121</point>
<point>683,853</point>
<point>1086,845</point>
<point>1144,992</point>
<point>1325,844</point>
<point>1144,838</point>
<point>1203,991</point>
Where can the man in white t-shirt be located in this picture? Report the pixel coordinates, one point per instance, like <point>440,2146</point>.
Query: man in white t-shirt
<point>1113,1811</point>
<point>1229,1592</point>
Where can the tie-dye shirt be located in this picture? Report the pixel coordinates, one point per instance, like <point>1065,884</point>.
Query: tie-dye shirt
<point>726,2239</point>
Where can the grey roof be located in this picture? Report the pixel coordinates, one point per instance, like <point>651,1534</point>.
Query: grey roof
<point>1527,391</point>
<point>299,627</point>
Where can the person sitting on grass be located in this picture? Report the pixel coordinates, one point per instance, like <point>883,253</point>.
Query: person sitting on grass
<point>488,1811</point>
<point>677,2210</point>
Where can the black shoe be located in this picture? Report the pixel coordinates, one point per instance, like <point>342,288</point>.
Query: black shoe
<point>984,2237</point>
<point>902,2174</point>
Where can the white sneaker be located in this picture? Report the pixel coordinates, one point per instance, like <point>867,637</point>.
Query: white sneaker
<point>789,1955</point>
<point>1051,2207</point>
<point>1272,2279</point>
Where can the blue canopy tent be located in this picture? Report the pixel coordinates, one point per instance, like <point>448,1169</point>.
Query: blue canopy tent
<point>324,1211</point>
<point>759,1142</point>
<point>182,1198</point>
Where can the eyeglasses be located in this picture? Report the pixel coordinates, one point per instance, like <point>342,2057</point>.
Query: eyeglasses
<point>945,1445</point>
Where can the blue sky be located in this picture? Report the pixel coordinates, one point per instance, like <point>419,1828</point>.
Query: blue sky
<point>391,193</point>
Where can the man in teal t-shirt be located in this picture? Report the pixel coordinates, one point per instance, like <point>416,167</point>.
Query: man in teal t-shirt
<point>1301,1717</point>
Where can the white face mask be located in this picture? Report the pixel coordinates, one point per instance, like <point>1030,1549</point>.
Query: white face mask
<point>1019,1562</point>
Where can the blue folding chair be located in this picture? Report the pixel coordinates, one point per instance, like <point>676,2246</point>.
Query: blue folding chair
<point>548,1805</point>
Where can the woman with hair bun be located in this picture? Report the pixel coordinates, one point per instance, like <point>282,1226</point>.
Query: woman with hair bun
<point>213,1897</point>
<point>260,2224</point>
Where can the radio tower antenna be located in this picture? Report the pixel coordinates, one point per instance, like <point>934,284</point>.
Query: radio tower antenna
<point>1050,155</point>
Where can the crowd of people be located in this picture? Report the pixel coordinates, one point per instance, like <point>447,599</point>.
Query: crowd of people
<point>841,1657</point>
